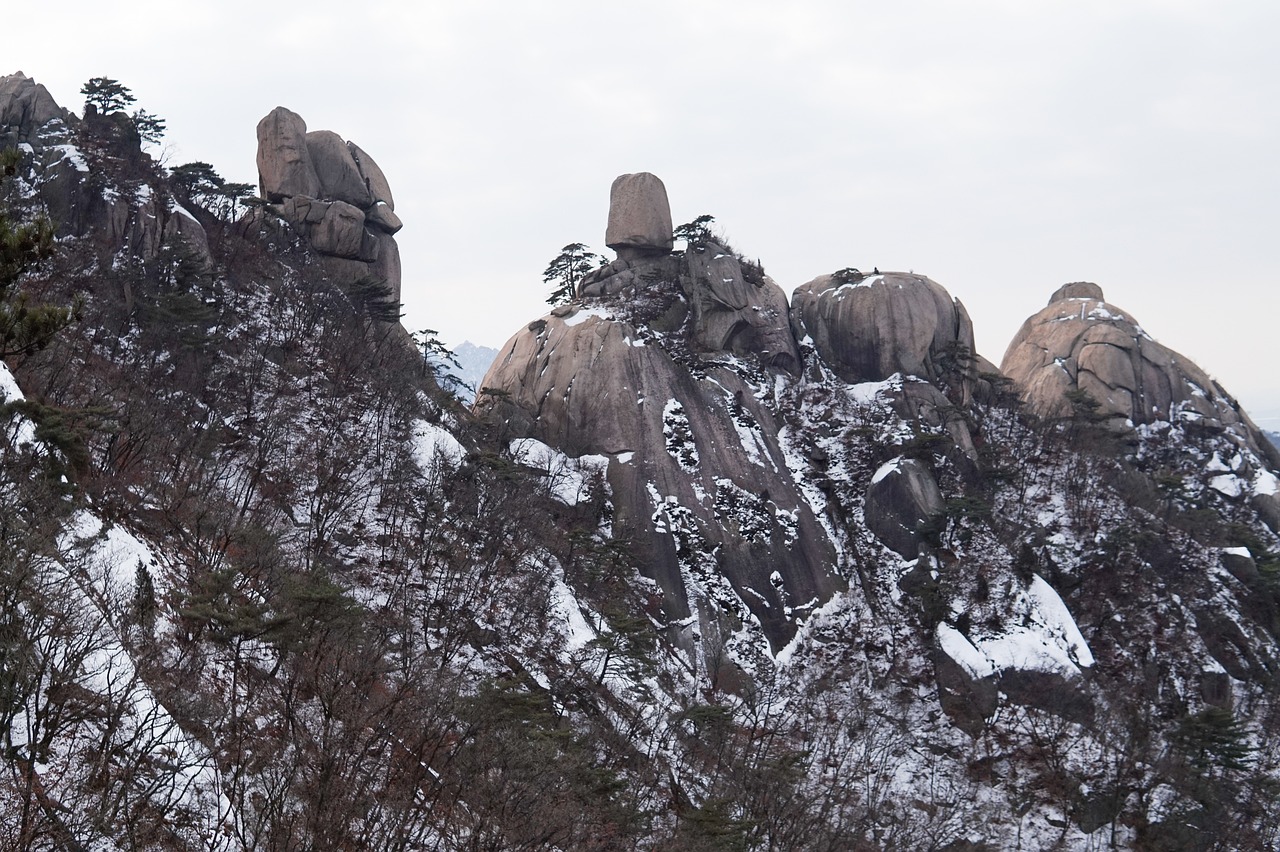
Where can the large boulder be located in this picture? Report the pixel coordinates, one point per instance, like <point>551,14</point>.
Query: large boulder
<point>340,177</point>
<point>639,216</point>
<point>284,162</point>
<point>341,232</point>
<point>902,500</point>
<point>868,327</point>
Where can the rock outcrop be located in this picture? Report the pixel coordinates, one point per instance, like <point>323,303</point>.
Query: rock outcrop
<point>1079,342</point>
<point>663,365</point>
<point>1081,349</point>
<point>25,107</point>
<point>284,161</point>
<point>639,217</point>
<point>868,327</point>
<point>334,194</point>
<point>93,178</point>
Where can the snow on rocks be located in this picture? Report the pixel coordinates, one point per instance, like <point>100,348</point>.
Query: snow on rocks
<point>569,480</point>
<point>20,431</point>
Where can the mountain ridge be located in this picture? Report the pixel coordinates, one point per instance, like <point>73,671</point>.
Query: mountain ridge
<point>831,584</point>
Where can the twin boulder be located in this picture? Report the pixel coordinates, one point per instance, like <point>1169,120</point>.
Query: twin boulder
<point>332,192</point>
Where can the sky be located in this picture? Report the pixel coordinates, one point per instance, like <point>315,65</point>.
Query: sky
<point>1000,147</point>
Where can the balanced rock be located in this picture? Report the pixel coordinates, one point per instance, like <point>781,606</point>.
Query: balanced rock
<point>869,327</point>
<point>639,216</point>
<point>334,195</point>
<point>340,177</point>
<point>284,162</point>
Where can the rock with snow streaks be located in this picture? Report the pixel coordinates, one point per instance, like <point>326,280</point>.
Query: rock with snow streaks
<point>639,216</point>
<point>25,107</point>
<point>697,474</point>
<point>1079,342</point>
<point>868,327</point>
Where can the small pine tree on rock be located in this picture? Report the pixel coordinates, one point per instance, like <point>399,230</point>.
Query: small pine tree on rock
<point>106,95</point>
<point>567,269</point>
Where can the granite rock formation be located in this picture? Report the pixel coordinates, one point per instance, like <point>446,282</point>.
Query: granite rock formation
<point>124,207</point>
<point>869,327</point>
<point>639,217</point>
<point>334,194</point>
<point>1080,342</point>
<point>1082,349</point>
<point>25,107</point>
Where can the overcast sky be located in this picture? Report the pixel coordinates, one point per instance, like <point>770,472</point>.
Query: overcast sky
<point>1001,148</point>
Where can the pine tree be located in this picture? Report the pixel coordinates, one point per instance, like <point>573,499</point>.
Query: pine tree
<point>106,95</point>
<point>567,269</point>
<point>24,326</point>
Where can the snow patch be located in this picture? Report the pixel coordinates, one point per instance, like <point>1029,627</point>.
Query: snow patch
<point>1228,484</point>
<point>1266,482</point>
<point>569,480</point>
<point>434,444</point>
<point>963,652</point>
<point>583,314</point>
<point>886,469</point>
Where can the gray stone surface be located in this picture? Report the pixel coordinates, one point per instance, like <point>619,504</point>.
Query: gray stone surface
<point>901,498</point>
<point>731,313</point>
<point>1081,342</point>
<point>868,328</point>
<point>340,178</point>
<point>1077,290</point>
<point>284,163</point>
<point>639,216</point>
<point>375,181</point>
<point>340,232</point>
<point>387,265</point>
<point>25,106</point>
<point>383,217</point>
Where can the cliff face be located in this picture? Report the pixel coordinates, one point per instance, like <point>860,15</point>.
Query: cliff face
<point>703,569</point>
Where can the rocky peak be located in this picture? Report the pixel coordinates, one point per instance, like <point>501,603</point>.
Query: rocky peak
<point>334,194</point>
<point>1077,290</point>
<point>1083,350</point>
<point>1080,342</point>
<point>25,107</point>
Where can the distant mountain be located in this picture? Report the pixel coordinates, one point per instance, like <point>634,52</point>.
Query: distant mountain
<point>1273,437</point>
<point>473,363</point>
